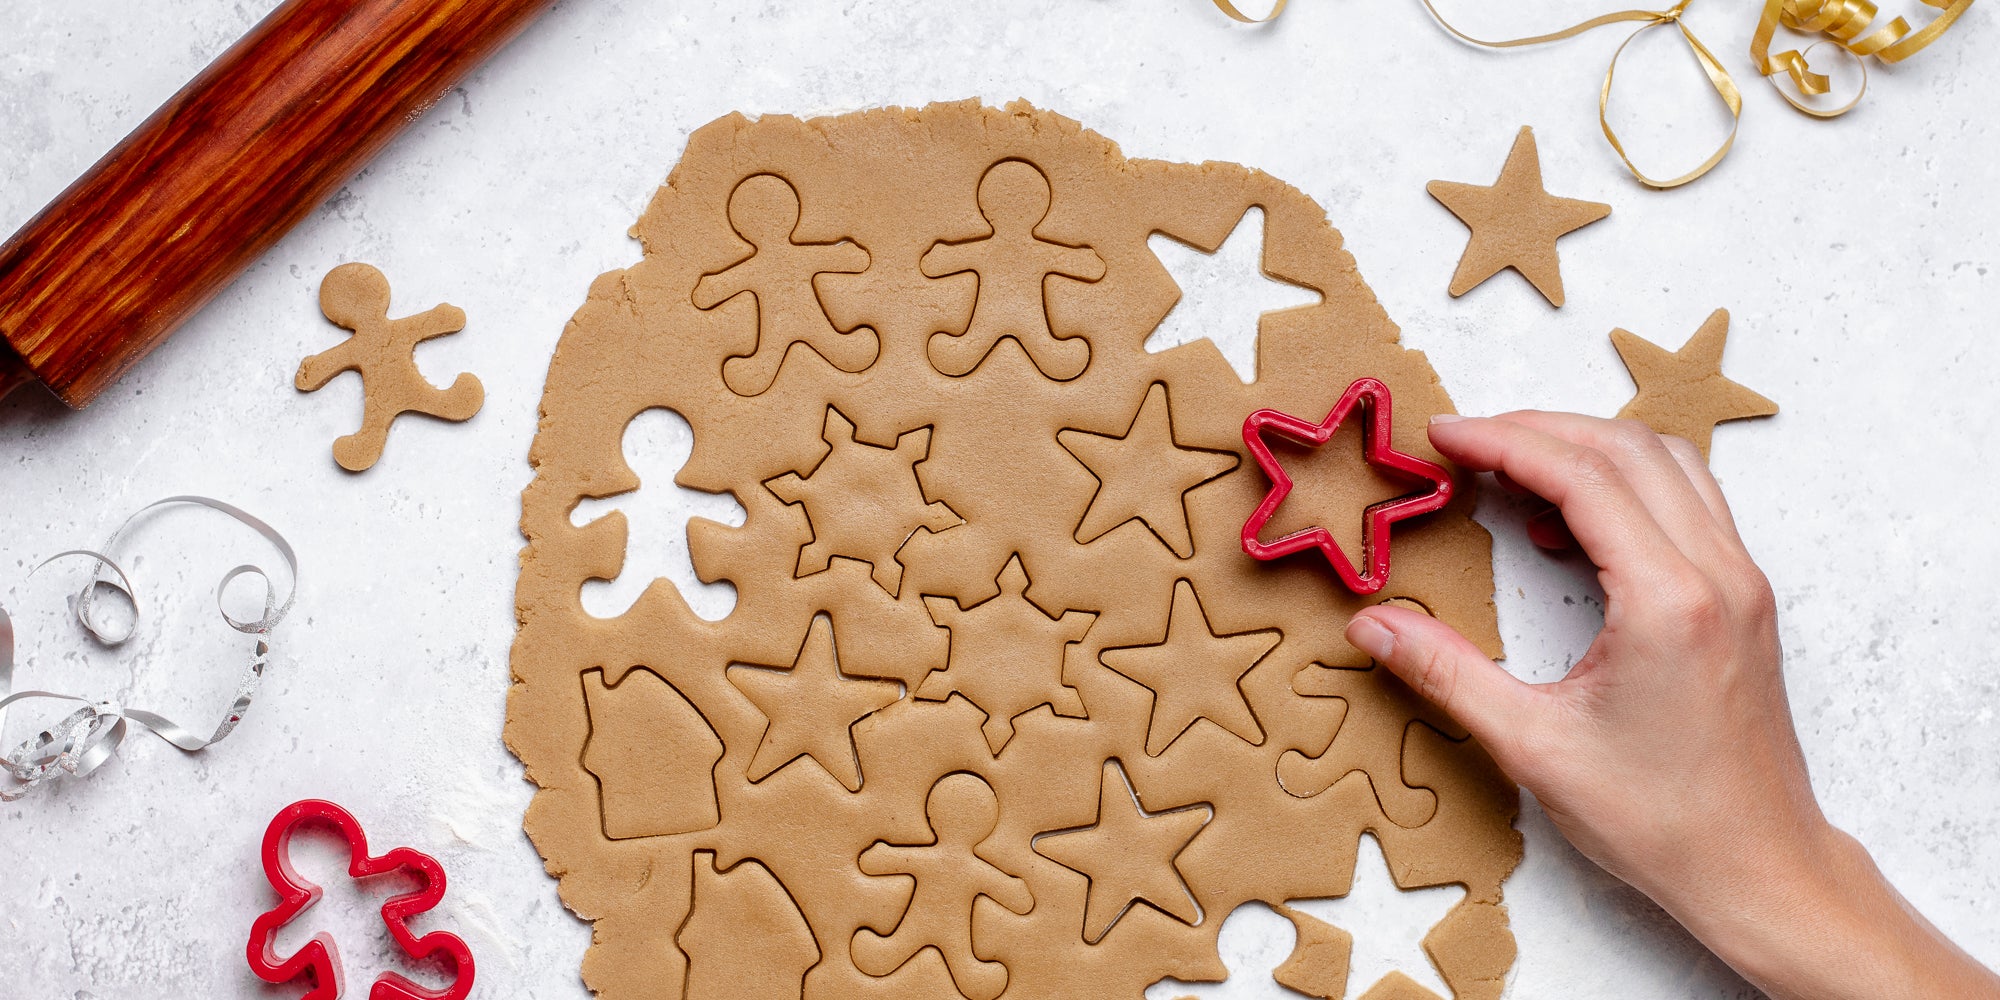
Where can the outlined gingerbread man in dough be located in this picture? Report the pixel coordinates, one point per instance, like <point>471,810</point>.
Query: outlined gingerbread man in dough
<point>950,876</point>
<point>778,274</point>
<point>1013,266</point>
<point>356,296</point>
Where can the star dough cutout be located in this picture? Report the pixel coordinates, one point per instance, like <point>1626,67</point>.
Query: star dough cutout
<point>863,501</point>
<point>1225,294</point>
<point>1194,673</point>
<point>1515,223</point>
<point>813,707</point>
<point>1144,475</point>
<point>1006,655</point>
<point>1128,856</point>
<point>1683,392</point>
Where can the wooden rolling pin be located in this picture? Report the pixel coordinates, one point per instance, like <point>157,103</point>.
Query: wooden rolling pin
<point>225,168</point>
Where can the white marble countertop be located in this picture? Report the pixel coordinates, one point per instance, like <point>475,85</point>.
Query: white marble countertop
<point>1857,257</point>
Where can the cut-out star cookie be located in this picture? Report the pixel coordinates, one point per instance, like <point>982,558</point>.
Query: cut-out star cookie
<point>1515,223</point>
<point>1006,655</point>
<point>1194,674</point>
<point>1683,392</point>
<point>1144,475</point>
<point>356,296</point>
<point>1128,855</point>
<point>863,501</point>
<point>813,707</point>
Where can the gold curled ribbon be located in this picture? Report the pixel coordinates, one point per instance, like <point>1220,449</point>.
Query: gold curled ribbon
<point>1230,9</point>
<point>1850,28</point>
<point>1849,25</point>
<point>1718,77</point>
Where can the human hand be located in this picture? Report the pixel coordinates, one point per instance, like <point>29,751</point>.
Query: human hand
<point>1668,755</point>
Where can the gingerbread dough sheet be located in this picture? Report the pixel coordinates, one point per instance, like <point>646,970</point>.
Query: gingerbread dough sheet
<point>1002,708</point>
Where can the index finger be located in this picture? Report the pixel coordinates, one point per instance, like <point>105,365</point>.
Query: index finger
<point>1602,511</point>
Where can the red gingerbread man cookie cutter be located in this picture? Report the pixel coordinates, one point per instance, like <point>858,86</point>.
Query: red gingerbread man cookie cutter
<point>1377,449</point>
<point>319,957</point>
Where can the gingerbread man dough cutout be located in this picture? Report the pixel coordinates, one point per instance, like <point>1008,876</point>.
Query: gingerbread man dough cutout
<point>1012,264</point>
<point>950,876</point>
<point>356,296</point>
<point>779,275</point>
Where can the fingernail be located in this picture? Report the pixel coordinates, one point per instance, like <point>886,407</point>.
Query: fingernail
<point>1369,636</point>
<point>1445,418</point>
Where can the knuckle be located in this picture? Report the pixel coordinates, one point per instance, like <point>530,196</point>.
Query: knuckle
<point>1753,594</point>
<point>1683,450</point>
<point>1697,605</point>
<point>1635,445</point>
<point>1591,468</point>
<point>1633,437</point>
<point>1434,677</point>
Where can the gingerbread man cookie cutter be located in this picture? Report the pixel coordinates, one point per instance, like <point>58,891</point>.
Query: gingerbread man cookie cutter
<point>320,958</point>
<point>1372,396</point>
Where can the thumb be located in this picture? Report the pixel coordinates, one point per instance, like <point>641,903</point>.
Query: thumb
<point>1445,667</point>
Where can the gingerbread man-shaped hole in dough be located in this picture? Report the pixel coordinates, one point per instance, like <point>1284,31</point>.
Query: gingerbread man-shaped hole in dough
<point>779,275</point>
<point>1013,266</point>
<point>356,296</point>
<point>950,876</point>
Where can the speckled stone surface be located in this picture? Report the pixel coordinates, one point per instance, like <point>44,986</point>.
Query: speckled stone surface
<point>1856,257</point>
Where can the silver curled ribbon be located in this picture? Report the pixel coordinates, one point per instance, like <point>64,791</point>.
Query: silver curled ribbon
<point>88,736</point>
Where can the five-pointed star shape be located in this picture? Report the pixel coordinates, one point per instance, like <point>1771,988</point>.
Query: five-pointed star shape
<point>1128,856</point>
<point>1514,223</point>
<point>1143,475</point>
<point>1371,396</point>
<point>813,707</point>
<point>1388,923</point>
<point>1224,294</point>
<point>1194,673</point>
<point>1683,392</point>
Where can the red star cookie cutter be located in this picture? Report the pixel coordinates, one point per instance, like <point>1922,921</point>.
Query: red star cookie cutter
<point>1373,397</point>
<point>319,957</point>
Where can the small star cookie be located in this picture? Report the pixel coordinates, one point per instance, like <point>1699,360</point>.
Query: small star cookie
<point>1683,392</point>
<point>1515,223</point>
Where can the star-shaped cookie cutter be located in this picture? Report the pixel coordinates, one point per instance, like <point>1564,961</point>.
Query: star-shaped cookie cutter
<point>1377,450</point>
<point>320,957</point>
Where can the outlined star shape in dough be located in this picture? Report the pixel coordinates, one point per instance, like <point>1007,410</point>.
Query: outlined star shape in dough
<point>1006,655</point>
<point>1683,392</point>
<point>812,708</point>
<point>1194,673</point>
<point>1515,223</point>
<point>1143,475</point>
<point>1128,856</point>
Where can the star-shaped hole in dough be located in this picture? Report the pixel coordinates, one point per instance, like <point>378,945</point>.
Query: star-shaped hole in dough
<point>1515,223</point>
<point>1387,924</point>
<point>1194,673</point>
<point>1128,855</point>
<point>1144,475</point>
<point>1368,943</point>
<point>1683,392</point>
<point>813,707</point>
<point>1225,294</point>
